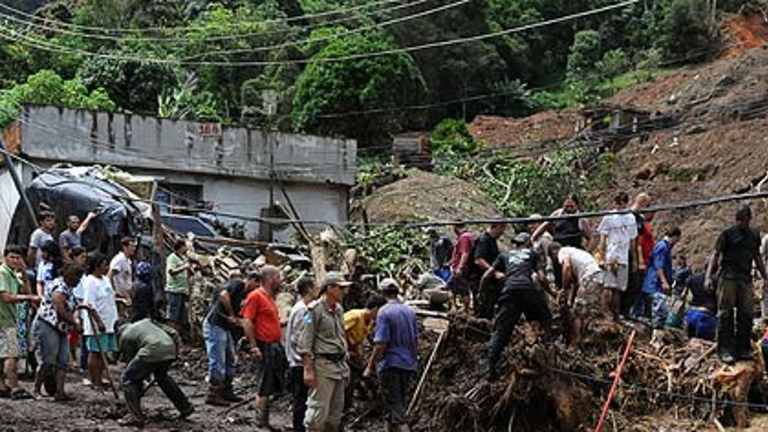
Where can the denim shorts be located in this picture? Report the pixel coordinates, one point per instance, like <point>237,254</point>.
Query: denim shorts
<point>105,342</point>
<point>177,307</point>
<point>52,345</point>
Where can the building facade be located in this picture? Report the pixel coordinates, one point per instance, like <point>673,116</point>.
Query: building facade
<point>231,170</point>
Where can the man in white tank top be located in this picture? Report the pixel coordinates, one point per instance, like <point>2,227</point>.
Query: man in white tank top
<point>582,285</point>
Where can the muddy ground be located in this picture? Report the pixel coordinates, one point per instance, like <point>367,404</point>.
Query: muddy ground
<point>96,411</point>
<point>457,368</point>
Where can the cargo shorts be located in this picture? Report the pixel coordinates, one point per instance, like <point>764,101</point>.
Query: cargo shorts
<point>588,298</point>
<point>9,343</point>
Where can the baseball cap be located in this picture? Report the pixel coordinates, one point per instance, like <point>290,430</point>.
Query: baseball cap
<point>334,278</point>
<point>389,284</point>
<point>522,238</point>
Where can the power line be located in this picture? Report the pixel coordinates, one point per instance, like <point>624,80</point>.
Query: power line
<point>643,389</point>
<point>31,42</point>
<point>189,59</point>
<point>186,40</point>
<point>423,224</point>
<point>593,139</point>
<point>192,28</point>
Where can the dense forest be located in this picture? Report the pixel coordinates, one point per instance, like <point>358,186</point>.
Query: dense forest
<point>364,69</point>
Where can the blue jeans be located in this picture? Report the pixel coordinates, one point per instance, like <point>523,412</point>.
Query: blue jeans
<point>220,347</point>
<point>659,310</point>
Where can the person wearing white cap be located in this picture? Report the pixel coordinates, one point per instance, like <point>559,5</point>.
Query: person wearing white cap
<point>323,346</point>
<point>395,355</point>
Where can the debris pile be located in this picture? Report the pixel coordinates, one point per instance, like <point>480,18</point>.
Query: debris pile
<point>552,386</point>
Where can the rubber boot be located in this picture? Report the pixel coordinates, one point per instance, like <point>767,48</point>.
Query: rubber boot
<point>216,395</point>
<point>229,393</point>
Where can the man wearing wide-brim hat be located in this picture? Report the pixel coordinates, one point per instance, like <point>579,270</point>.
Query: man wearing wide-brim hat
<point>323,347</point>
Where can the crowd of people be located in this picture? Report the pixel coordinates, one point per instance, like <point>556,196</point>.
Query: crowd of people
<point>614,269</point>
<point>59,302</point>
<point>62,303</point>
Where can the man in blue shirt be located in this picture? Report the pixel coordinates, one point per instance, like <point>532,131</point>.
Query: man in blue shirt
<point>395,355</point>
<point>658,277</point>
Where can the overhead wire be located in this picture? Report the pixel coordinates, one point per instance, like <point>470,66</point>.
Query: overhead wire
<point>749,108</point>
<point>303,17</point>
<point>474,221</point>
<point>221,38</point>
<point>189,59</point>
<point>24,40</point>
<point>257,49</point>
<point>644,389</point>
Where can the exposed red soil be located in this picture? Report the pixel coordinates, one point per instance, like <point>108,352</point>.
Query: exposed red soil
<point>544,126</point>
<point>745,32</point>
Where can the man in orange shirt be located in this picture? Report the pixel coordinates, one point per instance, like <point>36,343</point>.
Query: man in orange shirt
<point>262,328</point>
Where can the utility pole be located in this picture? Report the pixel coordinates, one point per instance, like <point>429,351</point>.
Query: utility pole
<point>17,182</point>
<point>270,107</point>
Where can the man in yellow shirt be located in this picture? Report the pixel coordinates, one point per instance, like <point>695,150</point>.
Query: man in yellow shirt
<point>358,324</point>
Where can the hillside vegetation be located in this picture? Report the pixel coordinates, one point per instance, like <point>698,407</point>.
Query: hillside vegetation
<point>212,60</point>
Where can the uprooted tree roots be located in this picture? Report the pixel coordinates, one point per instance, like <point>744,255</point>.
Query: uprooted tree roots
<point>550,386</point>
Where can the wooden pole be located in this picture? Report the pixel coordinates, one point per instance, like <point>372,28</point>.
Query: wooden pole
<point>103,355</point>
<point>616,380</point>
<point>424,374</point>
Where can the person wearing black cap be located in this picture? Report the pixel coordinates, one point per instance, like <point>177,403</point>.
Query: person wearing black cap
<point>323,346</point>
<point>523,274</point>
<point>735,251</point>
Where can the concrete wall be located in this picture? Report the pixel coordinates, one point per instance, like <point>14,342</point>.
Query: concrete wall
<point>132,141</point>
<point>248,197</point>
<point>231,164</point>
<point>9,200</point>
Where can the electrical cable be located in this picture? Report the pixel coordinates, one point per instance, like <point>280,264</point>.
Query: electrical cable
<point>222,38</point>
<point>22,39</point>
<point>424,224</point>
<point>643,389</point>
<point>191,28</point>
<point>187,40</point>
<point>522,150</point>
<point>186,60</point>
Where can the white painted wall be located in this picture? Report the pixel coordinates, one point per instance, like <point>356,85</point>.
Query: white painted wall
<point>9,200</point>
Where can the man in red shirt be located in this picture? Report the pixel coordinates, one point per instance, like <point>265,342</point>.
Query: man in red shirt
<point>261,322</point>
<point>646,241</point>
<point>462,277</point>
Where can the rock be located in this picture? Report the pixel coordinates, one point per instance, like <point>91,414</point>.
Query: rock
<point>649,170</point>
<point>696,129</point>
<point>571,402</point>
<point>645,172</point>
